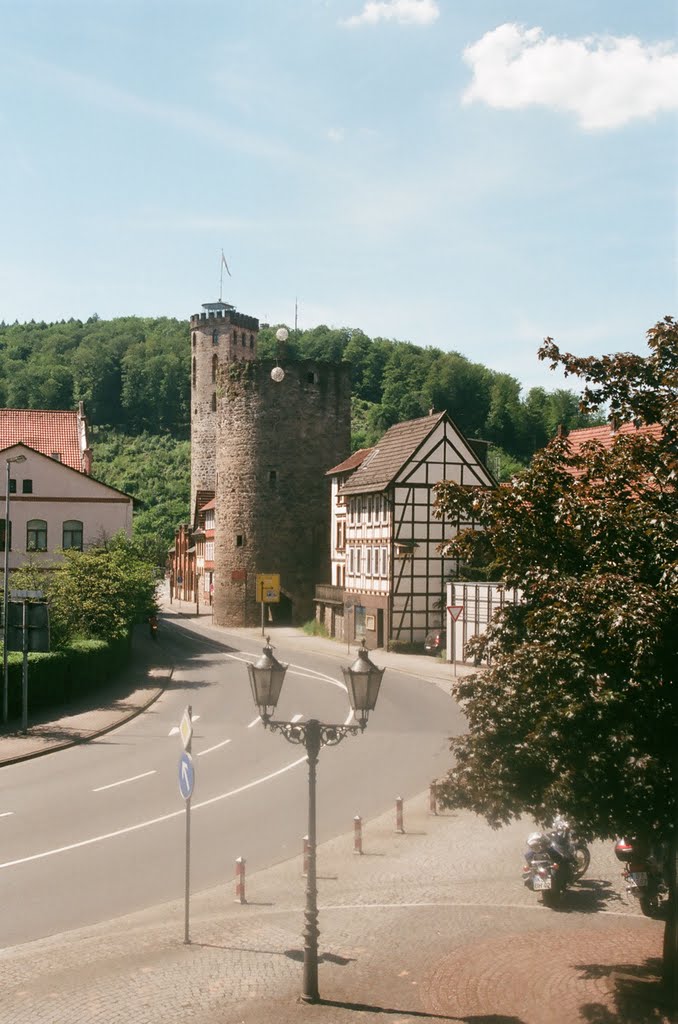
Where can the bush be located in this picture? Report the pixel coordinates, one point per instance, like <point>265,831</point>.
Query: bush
<point>406,646</point>
<point>315,628</point>
<point>60,676</point>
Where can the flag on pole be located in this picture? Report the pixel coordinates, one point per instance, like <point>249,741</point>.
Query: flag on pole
<point>225,264</point>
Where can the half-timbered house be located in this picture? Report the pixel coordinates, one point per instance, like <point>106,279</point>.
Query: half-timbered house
<point>393,582</point>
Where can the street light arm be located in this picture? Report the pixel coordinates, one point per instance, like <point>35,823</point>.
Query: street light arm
<point>308,734</point>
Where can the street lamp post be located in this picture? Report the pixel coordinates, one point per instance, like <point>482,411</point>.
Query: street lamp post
<point>363,680</point>
<point>5,595</point>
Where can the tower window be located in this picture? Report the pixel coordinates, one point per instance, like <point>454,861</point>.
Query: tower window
<point>239,540</point>
<point>243,341</point>
<point>215,364</point>
<point>251,341</point>
<point>193,339</point>
<point>194,371</point>
<point>312,377</point>
<point>273,476</point>
<point>214,401</point>
<point>215,337</point>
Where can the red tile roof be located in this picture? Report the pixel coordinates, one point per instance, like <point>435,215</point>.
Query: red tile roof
<point>606,436</point>
<point>352,462</point>
<point>210,504</point>
<point>47,431</point>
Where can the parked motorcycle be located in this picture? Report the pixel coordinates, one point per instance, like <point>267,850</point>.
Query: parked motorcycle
<point>554,859</point>
<point>644,873</point>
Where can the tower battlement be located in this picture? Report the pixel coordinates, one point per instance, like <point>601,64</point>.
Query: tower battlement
<point>229,315</point>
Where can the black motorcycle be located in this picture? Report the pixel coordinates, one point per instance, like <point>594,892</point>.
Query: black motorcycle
<point>554,859</point>
<point>644,873</point>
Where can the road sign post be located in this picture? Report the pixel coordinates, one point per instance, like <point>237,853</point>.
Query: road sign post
<point>268,591</point>
<point>186,781</point>
<point>454,611</point>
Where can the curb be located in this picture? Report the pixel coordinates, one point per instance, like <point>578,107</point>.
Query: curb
<point>78,739</point>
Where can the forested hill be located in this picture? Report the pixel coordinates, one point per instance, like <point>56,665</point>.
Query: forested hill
<point>133,375</point>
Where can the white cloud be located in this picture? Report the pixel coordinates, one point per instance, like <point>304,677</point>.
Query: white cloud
<point>335,134</point>
<point>404,12</point>
<point>605,81</point>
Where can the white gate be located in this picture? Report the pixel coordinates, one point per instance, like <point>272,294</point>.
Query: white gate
<point>473,604</point>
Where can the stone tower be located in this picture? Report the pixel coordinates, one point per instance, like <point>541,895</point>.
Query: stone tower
<point>219,335</point>
<point>275,439</point>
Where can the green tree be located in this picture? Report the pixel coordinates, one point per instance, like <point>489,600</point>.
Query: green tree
<point>101,593</point>
<point>578,712</point>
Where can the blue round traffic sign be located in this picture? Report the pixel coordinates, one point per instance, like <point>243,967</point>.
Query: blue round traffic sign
<point>186,775</point>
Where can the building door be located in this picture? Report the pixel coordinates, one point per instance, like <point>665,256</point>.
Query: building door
<point>380,627</point>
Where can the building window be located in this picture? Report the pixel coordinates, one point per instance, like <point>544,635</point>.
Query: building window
<point>12,486</point>
<point>351,561</point>
<point>368,562</point>
<point>384,561</point>
<point>251,341</point>
<point>26,486</point>
<point>273,476</point>
<point>215,337</point>
<point>357,561</point>
<point>194,371</point>
<point>214,401</point>
<point>193,339</point>
<point>243,340</point>
<point>2,535</point>
<point>215,364</point>
<point>36,535</point>
<point>72,534</point>
<point>312,377</point>
<point>239,540</point>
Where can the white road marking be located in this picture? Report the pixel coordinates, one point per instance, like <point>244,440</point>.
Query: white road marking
<point>254,721</point>
<point>215,747</point>
<point>297,670</point>
<point>153,821</point>
<point>175,728</point>
<point>122,782</point>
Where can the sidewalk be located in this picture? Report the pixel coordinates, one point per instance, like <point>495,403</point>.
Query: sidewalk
<point>432,924</point>
<point>93,715</point>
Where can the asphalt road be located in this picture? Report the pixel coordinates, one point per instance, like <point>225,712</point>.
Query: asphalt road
<point>98,830</point>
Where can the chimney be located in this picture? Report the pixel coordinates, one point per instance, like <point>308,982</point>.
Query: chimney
<point>87,461</point>
<point>562,430</point>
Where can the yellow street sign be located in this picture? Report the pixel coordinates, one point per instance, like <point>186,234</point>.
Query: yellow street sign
<point>268,587</point>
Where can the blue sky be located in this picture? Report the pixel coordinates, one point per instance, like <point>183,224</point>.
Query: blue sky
<point>469,176</point>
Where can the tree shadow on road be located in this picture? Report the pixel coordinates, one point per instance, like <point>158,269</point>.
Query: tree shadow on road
<point>637,994</point>
<point>483,1018</point>
<point>589,897</point>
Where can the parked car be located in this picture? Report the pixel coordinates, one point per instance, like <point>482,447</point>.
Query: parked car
<point>436,641</point>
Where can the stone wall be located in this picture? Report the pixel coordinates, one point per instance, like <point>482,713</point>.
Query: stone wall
<point>230,337</point>
<point>275,441</point>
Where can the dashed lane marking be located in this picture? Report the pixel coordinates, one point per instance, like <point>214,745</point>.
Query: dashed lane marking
<point>122,782</point>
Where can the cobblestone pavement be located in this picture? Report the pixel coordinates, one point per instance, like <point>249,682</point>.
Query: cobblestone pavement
<point>433,924</point>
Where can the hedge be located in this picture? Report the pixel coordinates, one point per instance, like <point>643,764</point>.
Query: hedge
<point>60,676</point>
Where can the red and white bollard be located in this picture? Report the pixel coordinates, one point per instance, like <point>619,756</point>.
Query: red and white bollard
<point>433,797</point>
<point>399,814</point>
<point>358,834</point>
<point>304,870</point>
<point>240,880</point>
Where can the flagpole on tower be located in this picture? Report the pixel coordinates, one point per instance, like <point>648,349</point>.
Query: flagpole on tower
<point>221,274</point>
